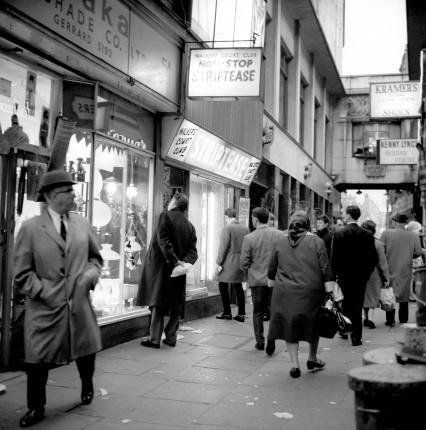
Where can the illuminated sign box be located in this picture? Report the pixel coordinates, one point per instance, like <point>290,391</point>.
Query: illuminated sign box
<point>397,151</point>
<point>199,148</point>
<point>395,100</point>
<point>225,73</point>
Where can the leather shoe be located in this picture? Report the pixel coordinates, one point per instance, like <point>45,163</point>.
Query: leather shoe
<point>166,342</point>
<point>238,318</point>
<point>356,342</point>
<point>87,392</point>
<point>343,336</point>
<point>266,317</point>
<point>390,324</point>
<point>315,364</point>
<point>295,372</point>
<point>260,346</point>
<point>224,317</point>
<point>150,344</point>
<point>369,324</point>
<point>33,416</point>
<point>270,347</point>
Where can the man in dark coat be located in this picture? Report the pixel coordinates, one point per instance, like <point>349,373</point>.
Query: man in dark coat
<point>353,258</point>
<point>57,264</point>
<point>173,244</point>
<point>323,223</point>
<point>228,261</point>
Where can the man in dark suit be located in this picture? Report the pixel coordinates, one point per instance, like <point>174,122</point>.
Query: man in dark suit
<point>353,258</point>
<point>323,223</point>
<point>173,244</point>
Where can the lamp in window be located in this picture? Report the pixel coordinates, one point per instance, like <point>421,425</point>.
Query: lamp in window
<point>111,186</point>
<point>108,255</point>
<point>131,191</point>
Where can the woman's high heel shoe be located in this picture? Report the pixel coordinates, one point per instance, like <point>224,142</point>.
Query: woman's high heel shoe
<point>315,364</point>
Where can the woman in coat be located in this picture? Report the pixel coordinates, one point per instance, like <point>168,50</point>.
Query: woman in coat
<point>300,268</point>
<point>379,277</point>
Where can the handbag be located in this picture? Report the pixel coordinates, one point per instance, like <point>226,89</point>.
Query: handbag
<point>326,323</point>
<point>387,299</point>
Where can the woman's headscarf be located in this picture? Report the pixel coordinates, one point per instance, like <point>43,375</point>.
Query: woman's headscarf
<point>298,227</point>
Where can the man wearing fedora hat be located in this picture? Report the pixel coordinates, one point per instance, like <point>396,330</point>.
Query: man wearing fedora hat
<point>57,264</point>
<point>401,246</point>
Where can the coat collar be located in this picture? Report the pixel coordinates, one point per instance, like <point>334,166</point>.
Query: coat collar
<point>49,228</point>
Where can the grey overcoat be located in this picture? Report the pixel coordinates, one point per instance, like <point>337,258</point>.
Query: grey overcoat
<point>56,278</point>
<point>401,246</point>
<point>231,242</point>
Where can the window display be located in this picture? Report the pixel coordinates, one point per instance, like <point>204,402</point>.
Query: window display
<point>206,212</point>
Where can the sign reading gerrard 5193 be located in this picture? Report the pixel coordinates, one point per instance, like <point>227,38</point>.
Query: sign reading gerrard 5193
<point>395,99</point>
<point>225,72</point>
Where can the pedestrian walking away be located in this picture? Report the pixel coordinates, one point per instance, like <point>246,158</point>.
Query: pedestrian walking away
<point>379,279</point>
<point>174,244</point>
<point>57,265</point>
<point>353,259</point>
<point>323,224</point>
<point>255,256</point>
<point>300,271</point>
<point>401,246</point>
<point>228,265</point>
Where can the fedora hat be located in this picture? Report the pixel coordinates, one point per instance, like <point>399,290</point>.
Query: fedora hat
<point>399,217</point>
<point>54,179</point>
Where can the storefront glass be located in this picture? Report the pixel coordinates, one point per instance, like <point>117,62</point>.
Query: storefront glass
<point>121,196</point>
<point>28,104</point>
<point>206,212</point>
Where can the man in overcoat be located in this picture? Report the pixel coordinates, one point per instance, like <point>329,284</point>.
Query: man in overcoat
<point>57,264</point>
<point>353,258</point>
<point>255,256</point>
<point>228,261</point>
<point>401,246</point>
<point>174,243</point>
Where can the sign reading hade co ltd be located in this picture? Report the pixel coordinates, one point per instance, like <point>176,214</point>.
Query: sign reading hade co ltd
<point>395,100</point>
<point>225,72</point>
<point>397,151</point>
<point>197,147</point>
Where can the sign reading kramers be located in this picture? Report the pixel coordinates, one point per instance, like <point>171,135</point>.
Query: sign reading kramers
<point>397,151</point>
<point>225,72</point>
<point>395,100</point>
<point>197,147</point>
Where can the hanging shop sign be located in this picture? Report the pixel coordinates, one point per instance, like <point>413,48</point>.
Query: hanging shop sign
<point>375,171</point>
<point>225,73</point>
<point>395,99</point>
<point>199,148</point>
<point>397,151</point>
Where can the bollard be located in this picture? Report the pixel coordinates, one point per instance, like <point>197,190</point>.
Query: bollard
<point>388,396</point>
<point>380,356</point>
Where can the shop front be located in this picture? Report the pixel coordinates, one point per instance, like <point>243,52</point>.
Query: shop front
<point>216,175</point>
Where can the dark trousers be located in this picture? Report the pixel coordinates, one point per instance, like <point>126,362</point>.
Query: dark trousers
<point>157,324</point>
<point>226,301</point>
<point>260,297</point>
<point>353,292</point>
<point>37,374</point>
<point>402,314</point>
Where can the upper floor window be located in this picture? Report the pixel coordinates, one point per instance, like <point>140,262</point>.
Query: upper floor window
<point>283,96</point>
<point>316,127</point>
<point>303,85</point>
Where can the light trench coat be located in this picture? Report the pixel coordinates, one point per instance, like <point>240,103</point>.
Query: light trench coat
<point>56,278</point>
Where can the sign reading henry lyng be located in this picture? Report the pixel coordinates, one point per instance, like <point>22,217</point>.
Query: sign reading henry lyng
<point>397,151</point>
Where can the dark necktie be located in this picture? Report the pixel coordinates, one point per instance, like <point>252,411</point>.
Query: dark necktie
<point>63,230</point>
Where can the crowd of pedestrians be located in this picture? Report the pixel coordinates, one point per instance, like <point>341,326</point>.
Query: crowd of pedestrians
<point>289,274</point>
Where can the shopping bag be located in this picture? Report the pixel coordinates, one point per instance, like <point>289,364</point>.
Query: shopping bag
<point>387,299</point>
<point>343,322</point>
<point>326,323</point>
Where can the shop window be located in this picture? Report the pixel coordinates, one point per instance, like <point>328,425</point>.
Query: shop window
<point>365,137</point>
<point>29,104</point>
<point>121,215</point>
<point>206,212</point>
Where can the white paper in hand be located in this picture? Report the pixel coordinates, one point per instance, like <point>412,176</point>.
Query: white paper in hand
<point>181,270</point>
